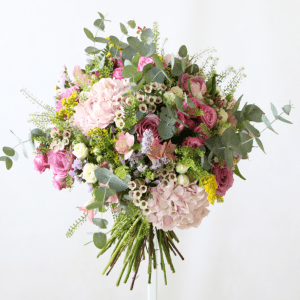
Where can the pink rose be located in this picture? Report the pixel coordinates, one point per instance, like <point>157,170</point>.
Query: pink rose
<point>182,118</point>
<point>59,181</point>
<point>210,116</point>
<point>197,84</point>
<point>124,144</point>
<point>41,163</point>
<point>193,142</point>
<point>61,162</point>
<point>117,73</point>
<point>150,122</point>
<point>66,94</point>
<point>143,61</point>
<point>189,110</point>
<point>224,178</point>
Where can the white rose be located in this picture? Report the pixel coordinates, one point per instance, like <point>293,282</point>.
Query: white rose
<point>180,168</point>
<point>80,151</point>
<point>183,180</point>
<point>88,173</point>
<point>177,91</point>
<point>169,96</point>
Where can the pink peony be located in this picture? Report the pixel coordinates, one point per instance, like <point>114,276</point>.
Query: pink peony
<point>143,61</point>
<point>150,122</point>
<point>124,144</point>
<point>91,213</point>
<point>177,206</point>
<point>193,142</point>
<point>99,109</point>
<point>80,78</point>
<point>197,84</point>
<point>66,94</point>
<point>41,163</point>
<point>210,116</point>
<point>117,73</point>
<point>224,178</point>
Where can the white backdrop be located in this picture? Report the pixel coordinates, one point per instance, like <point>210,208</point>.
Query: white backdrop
<point>248,247</point>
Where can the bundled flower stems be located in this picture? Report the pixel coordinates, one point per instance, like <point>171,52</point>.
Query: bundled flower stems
<point>157,138</point>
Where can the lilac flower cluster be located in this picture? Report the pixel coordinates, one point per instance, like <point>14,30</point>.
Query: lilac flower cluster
<point>147,141</point>
<point>77,164</point>
<point>142,168</point>
<point>135,158</point>
<point>158,164</point>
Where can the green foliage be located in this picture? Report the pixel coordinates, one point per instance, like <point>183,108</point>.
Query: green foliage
<point>76,225</point>
<point>102,193</point>
<point>99,239</point>
<point>131,23</point>
<point>236,171</point>
<point>102,223</point>
<point>105,176</point>
<point>182,51</point>
<point>8,151</point>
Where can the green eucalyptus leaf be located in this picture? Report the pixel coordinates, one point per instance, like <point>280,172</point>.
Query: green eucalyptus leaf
<point>129,71</point>
<point>252,129</point>
<point>147,68</point>
<point>126,208</point>
<point>99,23</point>
<point>287,109</point>
<point>128,53</point>
<point>38,132</point>
<point>89,34</point>
<point>101,40</point>
<point>192,69</point>
<point>31,141</point>
<point>8,151</point>
<point>154,75</point>
<point>229,157</point>
<point>127,62</point>
<point>114,40</point>
<point>253,113</point>
<point>134,42</point>
<point>21,142</point>
<point>99,239</point>
<point>131,23</point>
<point>102,193</point>
<point>147,36</point>
<point>3,158</point>
<point>144,49</point>
<point>158,63</point>
<point>182,51</point>
<point>101,16</point>
<point>237,172</point>
<point>92,50</point>
<point>283,120</point>
<point>267,122</point>
<point>9,163</point>
<point>123,29</point>
<point>136,59</point>
<point>165,131</point>
<point>184,63</point>
<point>103,175</point>
<point>16,156</point>
<point>114,52</point>
<point>259,143</point>
<point>190,103</point>
<point>139,86</point>
<point>237,104</point>
<point>247,141</point>
<point>177,70</point>
<point>179,104</point>
<point>95,205</point>
<point>102,223</point>
<point>210,158</point>
<point>274,110</point>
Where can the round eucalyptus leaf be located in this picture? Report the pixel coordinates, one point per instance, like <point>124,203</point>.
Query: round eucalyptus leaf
<point>8,151</point>
<point>99,239</point>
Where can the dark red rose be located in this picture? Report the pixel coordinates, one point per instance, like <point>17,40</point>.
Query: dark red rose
<point>224,178</point>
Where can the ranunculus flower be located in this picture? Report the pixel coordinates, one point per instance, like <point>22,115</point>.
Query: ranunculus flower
<point>66,94</point>
<point>210,116</point>
<point>117,73</point>
<point>143,61</point>
<point>224,178</point>
<point>103,101</point>
<point>61,162</point>
<point>40,163</point>
<point>80,151</point>
<point>124,144</point>
<point>197,84</point>
<point>88,173</point>
<point>178,206</point>
<point>193,142</point>
<point>150,122</point>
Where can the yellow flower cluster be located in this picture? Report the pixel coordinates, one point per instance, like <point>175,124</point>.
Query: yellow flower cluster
<point>96,132</point>
<point>68,105</point>
<point>111,44</point>
<point>210,185</point>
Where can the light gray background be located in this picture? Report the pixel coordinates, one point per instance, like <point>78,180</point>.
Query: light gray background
<point>248,247</point>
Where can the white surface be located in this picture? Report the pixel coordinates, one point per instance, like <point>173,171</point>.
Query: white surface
<point>248,247</point>
<point>152,287</point>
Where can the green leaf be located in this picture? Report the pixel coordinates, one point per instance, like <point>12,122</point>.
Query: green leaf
<point>31,141</point>
<point>99,239</point>
<point>136,59</point>
<point>237,104</point>
<point>259,143</point>
<point>158,63</point>
<point>247,141</point>
<point>125,207</point>
<point>102,193</point>
<point>123,29</point>
<point>8,151</point>
<point>274,110</point>
<point>101,16</point>
<point>101,40</point>
<point>154,75</point>
<point>99,23</point>
<point>92,50</point>
<point>190,103</point>
<point>184,63</point>
<point>179,103</point>
<point>283,120</point>
<point>105,176</point>
<point>95,205</point>
<point>252,129</point>
<point>128,53</point>
<point>253,113</point>
<point>210,158</point>
<point>168,117</point>
<point>16,156</point>
<point>89,34</point>
<point>114,40</point>
<point>3,158</point>
<point>267,122</point>
<point>139,86</point>
<point>9,163</point>
<point>192,69</point>
<point>287,109</point>
<point>38,132</point>
<point>182,51</point>
<point>21,142</point>
<point>102,223</point>
<point>236,171</point>
<point>114,52</point>
<point>147,36</point>
<point>229,157</point>
<point>133,42</point>
<point>131,23</point>
<point>129,71</point>
<point>177,70</point>
<point>147,68</point>
<point>144,49</point>
<point>165,131</point>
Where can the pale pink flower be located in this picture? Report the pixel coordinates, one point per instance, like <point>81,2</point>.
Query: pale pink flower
<point>164,150</point>
<point>177,206</point>
<point>103,101</point>
<point>124,144</point>
<point>80,78</point>
<point>91,213</point>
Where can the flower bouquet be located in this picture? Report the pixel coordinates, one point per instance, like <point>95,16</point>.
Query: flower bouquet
<point>157,139</point>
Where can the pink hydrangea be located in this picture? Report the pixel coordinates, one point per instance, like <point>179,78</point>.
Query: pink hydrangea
<point>143,61</point>
<point>66,94</point>
<point>224,178</point>
<point>177,206</point>
<point>117,73</point>
<point>99,109</point>
<point>41,163</point>
<point>124,144</point>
